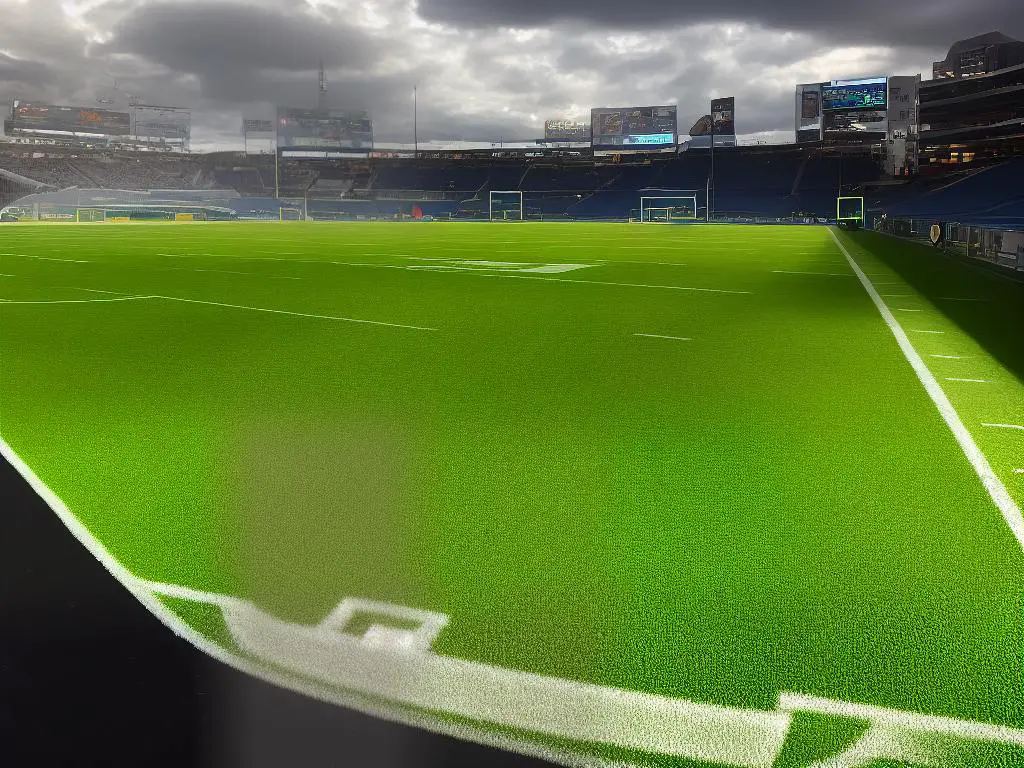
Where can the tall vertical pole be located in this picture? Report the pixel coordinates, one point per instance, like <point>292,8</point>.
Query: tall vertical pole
<point>277,165</point>
<point>415,126</point>
<point>711,177</point>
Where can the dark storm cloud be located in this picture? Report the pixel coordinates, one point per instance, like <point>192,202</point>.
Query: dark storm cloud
<point>24,73</point>
<point>208,39</point>
<point>911,22</point>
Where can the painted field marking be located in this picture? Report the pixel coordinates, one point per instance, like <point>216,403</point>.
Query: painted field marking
<point>230,272</point>
<point>76,301</point>
<point>1018,471</point>
<point>901,309</point>
<point>141,591</point>
<point>951,357</point>
<point>971,381</point>
<point>1007,506</point>
<point>659,336</point>
<point>1003,426</point>
<point>296,314</point>
<point>919,330</point>
<point>49,258</point>
<point>626,285</point>
<point>6,275</point>
<point>827,274</point>
<point>880,717</point>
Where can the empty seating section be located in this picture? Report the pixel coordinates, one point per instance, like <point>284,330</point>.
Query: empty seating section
<point>748,182</point>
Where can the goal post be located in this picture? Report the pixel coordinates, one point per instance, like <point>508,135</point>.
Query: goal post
<point>505,205</point>
<point>670,209</point>
<point>850,212</point>
<point>291,214</point>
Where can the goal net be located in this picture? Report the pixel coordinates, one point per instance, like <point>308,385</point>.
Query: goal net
<point>291,214</point>
<point>669,209</point>
<point>505,206</point>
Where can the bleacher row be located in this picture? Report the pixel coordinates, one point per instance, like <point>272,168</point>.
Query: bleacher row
<point>748,182</point>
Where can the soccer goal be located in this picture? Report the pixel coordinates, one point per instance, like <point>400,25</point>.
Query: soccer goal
<point>505,206</point>
<point>291,214</point>
<point>668,209</point>
<point>850,212</point>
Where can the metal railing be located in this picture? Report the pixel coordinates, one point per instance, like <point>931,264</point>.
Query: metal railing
<point>998,246</point>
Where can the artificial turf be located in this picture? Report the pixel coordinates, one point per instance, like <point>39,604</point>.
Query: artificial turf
<point>697,466</point>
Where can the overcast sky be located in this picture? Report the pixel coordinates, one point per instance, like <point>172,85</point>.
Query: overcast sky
<point>484,68</point>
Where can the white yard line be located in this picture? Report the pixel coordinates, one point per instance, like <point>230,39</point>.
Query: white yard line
<point>921,330</point>
<point>1004,426</point>
<point>296,314</point>
<point>1007,506</point>
<point>970,381</point>
<point>950,357</point>
<point>77,301</point>
<point>902,309</point>
<point>659,336</point>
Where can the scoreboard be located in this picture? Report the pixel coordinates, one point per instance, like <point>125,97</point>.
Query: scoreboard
<point>38,116</point>
<point>633,129</point>
<point>329,129</point>
<point>854,94</point>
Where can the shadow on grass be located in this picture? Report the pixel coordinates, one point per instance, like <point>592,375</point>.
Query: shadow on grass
<point>996,322</point>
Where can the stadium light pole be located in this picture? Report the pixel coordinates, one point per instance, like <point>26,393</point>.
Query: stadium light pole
<point>711,176</point>
<point>415,127</point>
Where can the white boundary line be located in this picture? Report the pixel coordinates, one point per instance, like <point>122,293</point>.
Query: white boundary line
<point>76,301</point>
<point>139,589</point>
<point>1007,506</point>
<point>296,314</point>
<point>659,336</point>
<point>1004,426</point>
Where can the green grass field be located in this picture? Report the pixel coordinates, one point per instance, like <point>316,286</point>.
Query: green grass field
<point>691,463</point>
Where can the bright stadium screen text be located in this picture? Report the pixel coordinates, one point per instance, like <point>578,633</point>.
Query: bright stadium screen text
<point>854,94</point>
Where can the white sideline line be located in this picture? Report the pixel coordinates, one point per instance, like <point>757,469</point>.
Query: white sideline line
<point>1004,426</point>
<point>950,357</point>
<point>971,381</point>
<point>919,330</point>
<point>296,314</point>
<point>901,309</point>
<point>828,274</point>
<point>76,301</point>
<point>659,336</point>
<point>798,702</point>
<point>1007,506</point>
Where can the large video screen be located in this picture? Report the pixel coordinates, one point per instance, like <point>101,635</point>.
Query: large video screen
<point>633,129</point>
<point>37,116</point>
<point>856,122</point>
<point>723,116</point>
<point>162,124</point>
<point>566,130</point>
<point>328,129</point>
<point>854,94</point>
